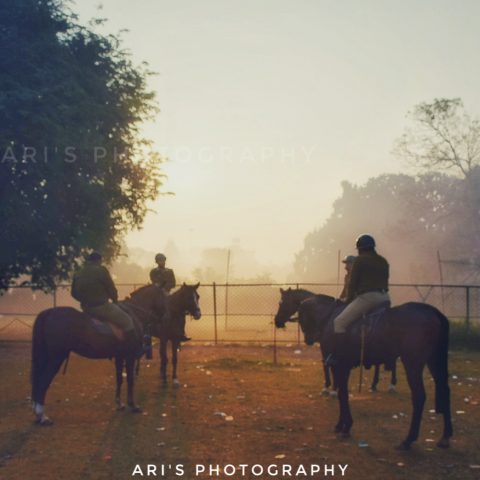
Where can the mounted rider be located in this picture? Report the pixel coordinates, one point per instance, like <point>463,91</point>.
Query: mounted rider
<point>94,288</point>
<point>367,288</point>
<point>348,261</point>
<point>165,278</point>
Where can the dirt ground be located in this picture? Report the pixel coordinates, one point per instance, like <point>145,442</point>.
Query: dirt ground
<point>234,407</point>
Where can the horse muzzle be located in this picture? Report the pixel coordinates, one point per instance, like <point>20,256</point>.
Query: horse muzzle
<point>197,315</point>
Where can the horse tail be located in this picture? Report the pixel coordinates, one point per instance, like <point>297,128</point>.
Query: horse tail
<point>442,390</point>
<point>39,351</point>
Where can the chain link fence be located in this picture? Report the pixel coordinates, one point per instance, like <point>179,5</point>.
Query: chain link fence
<point>241,313</point>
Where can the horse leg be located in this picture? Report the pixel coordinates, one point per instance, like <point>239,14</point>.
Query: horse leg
<point>42,383</point>
<point>328,382</point>
<point>119,363</point>
<point>130,367</point>
<point>345,421</point>
<point>334,391</point>
<point>392,388</point>
<point>414,371</point>
<point>442,403</point>
<point>376,377</point>
<point>175,344</point>
<point>163,361</point>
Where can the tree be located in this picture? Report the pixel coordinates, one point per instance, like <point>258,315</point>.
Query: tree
<point>410,217</point>
<point>443,137</point>
<point>75,171</point>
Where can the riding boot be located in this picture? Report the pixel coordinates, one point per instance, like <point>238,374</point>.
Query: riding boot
<point>133,345</point>
<point>338,350</point>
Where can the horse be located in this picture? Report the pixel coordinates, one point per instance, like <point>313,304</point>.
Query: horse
<point>303,302</point>
<point>182,302</point>
<point>61,330</point>
<point>418,333</point>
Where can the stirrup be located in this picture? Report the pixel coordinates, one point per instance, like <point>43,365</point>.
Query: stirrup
<point>331,360</point>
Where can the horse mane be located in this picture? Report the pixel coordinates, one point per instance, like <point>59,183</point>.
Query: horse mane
<point>139,289</point>
<point>324,298</point>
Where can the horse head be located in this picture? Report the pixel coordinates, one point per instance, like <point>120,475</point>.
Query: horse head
<point>289,304</point>
<point>189,300</point>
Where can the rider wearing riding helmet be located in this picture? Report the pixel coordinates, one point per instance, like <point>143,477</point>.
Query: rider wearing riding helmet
<point>348,261</point>
<point>367,288</point>
<point>165,278</point>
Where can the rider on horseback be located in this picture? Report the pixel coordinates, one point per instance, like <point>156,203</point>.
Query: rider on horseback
<point>367,288</point>
<point>165,278</point>
<point>93,287</point>
<point>348,261</point>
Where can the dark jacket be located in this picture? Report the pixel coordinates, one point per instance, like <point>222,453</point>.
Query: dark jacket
<point>92,285</point>
<point>370,272</point>
<point>163,277</point>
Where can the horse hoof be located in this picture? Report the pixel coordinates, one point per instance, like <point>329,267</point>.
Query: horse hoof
<point>333,393</point>
<point>120,407</point>
<point>443,443</point>
<point>44,422</point>
<point>337,429</point>
<point>344,435</point>
<point>403,447</point>
<point>392,389</point>
<point>325,392</point>
<point>372,390</point>
<point>176,383</point>
<point>135,409</point>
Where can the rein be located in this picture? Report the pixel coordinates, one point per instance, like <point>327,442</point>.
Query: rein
<point>149,314</point>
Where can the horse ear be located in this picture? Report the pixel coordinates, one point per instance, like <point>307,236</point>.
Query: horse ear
<point>184,284</point>
<point>197,285</point>
<point>281,290</point>
<point>289,289</point>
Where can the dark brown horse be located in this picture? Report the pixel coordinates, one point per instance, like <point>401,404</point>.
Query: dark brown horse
<point>61,330</point>
<point>181,303</point>
<point>415,332</point>
<point>303,302</point>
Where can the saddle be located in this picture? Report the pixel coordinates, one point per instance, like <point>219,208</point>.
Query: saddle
<point>106,328</point>
<point>374,325</point>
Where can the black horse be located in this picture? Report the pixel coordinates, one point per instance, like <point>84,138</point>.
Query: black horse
<point>180,303</point>
<point>415,332</point>
<point>305,303</point>
<point>61,330</point>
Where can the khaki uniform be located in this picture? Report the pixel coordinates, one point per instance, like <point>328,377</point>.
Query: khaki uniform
<point>368,287</point>
<point>163,277</point>
<point>346,282</point>
<point>93,287</point>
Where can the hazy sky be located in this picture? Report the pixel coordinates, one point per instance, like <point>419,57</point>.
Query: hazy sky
<point>267,105</point>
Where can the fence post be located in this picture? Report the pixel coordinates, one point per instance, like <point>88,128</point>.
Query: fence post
<point>298,327</point>
<point>215,329</point>
<point>467,319</point>
<point>274,342</point>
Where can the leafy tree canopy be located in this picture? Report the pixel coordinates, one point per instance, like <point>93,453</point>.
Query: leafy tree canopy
<point>75,170</point>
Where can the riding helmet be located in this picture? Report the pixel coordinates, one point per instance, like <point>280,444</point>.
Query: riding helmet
<point>159,257</point>
<point>365,241</point>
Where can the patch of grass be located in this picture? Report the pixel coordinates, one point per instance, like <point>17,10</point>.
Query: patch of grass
<point>230,363</point>
<point>464,337</point>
